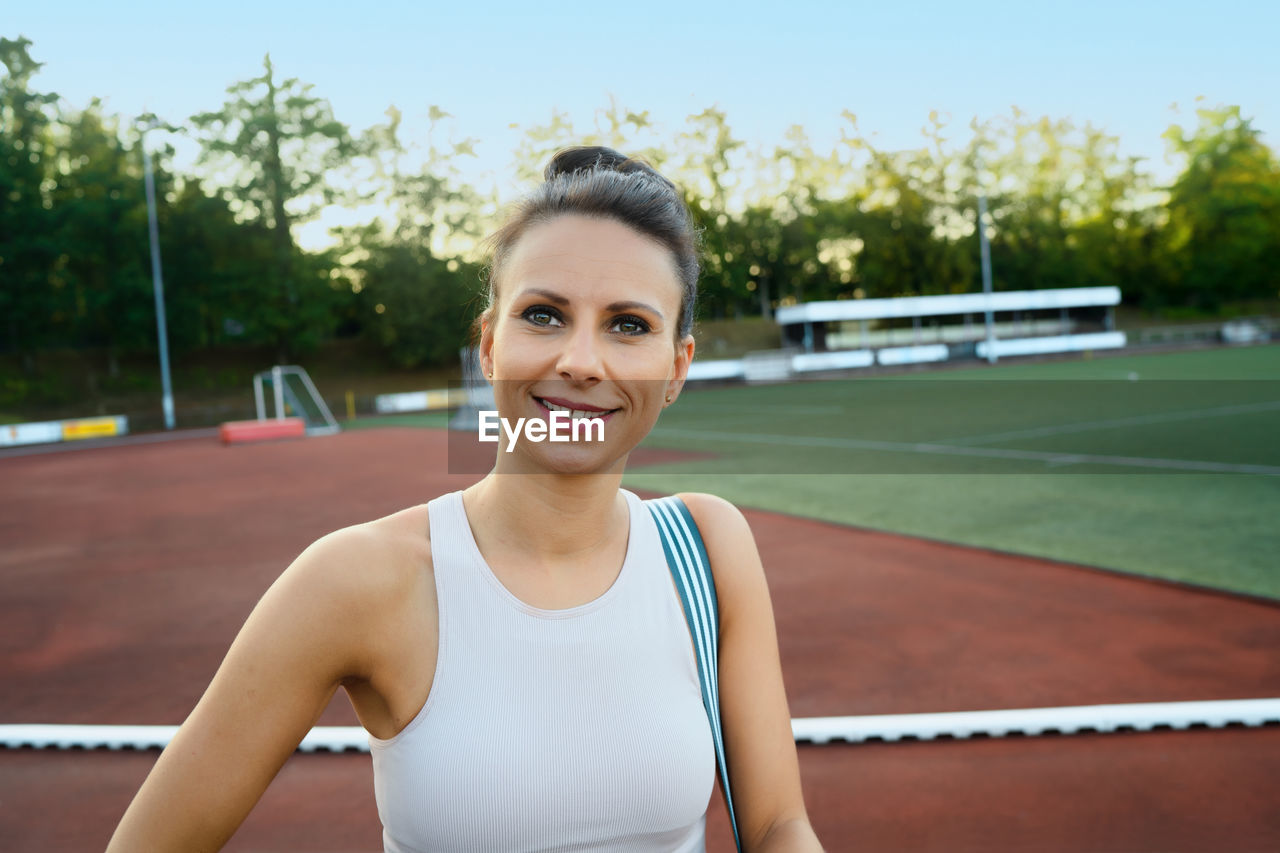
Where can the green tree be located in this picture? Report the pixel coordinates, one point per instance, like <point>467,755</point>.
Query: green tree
<point>783,224</point>
<point>279,146</point>
<point>1068,209</point>
<point>1223,233</point>
<point>211,266</point>
<point>416,307</point>
<point>99,211</point>
<point>422,187</point>
<point>28,244</point>
<point>904,226</point>
<point>705,171</point>
<point>630,132</point>
<point>413,299</point>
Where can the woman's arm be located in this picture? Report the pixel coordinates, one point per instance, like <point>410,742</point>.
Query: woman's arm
<point>764,772</point>
<point>305,636</point>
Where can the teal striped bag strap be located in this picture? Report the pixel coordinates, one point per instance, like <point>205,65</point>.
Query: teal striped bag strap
<point>687,559</point>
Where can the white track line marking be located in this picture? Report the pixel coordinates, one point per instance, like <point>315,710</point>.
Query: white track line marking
<point>1035,721</point>
<point>1053,459</point>
<point>888,727</point>
<point>1136,420</point>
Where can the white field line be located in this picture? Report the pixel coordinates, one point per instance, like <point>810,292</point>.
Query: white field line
<point>820,730</point>
<point>1136,420</point>
<point>700,408</point>
<point>1053,459</point>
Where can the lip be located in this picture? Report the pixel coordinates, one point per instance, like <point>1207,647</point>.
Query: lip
<point>604,414</point>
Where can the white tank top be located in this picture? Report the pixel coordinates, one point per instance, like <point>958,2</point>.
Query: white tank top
<point>579,729</point>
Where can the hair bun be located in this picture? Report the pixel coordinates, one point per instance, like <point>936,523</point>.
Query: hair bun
<point>598,158</point>
<point>584,158</point>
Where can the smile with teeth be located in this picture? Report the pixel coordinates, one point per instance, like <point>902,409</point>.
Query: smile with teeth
<point>574,414</point>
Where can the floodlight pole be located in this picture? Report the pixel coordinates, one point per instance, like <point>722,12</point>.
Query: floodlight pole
<point>986,275</point>
<point>157,281</point>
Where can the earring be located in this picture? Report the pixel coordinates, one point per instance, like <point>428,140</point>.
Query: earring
<point>668,398</point>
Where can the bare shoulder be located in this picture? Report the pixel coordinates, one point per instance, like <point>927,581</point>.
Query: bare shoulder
<point>358,577</point>
<point>731,547</point>
<point>713,511</point>
<point>372,558</point>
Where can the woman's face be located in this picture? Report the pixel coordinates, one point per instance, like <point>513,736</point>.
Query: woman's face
<point>585,320</point>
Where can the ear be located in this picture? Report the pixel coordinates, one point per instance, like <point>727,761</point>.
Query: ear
<point>684,358</point>
<point>485,350</point>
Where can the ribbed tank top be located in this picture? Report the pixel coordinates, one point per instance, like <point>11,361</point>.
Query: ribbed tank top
<point>575,730</point>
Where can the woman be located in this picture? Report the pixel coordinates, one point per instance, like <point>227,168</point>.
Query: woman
<point>517,651</point>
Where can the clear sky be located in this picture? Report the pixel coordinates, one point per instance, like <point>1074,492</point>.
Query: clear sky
<point>1118,64</point>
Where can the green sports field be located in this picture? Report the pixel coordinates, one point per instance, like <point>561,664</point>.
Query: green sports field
<point>1165,465</point>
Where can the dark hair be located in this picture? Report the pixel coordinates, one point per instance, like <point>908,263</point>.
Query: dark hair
<point>599,182</point>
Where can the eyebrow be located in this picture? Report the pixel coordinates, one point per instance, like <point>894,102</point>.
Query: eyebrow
<point>631,306</point>
<point>628,305</point>
<point>546,294</point>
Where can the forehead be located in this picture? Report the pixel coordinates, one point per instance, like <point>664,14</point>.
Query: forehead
<point>594,256</point>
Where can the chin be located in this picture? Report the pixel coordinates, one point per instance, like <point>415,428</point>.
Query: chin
<point>563,460</point>
<point>571,462</point>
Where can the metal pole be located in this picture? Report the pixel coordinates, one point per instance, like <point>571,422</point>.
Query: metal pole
<point>986,276</point>
<point>277,388</point>
<point>257,397</point>
<point>158,283</point>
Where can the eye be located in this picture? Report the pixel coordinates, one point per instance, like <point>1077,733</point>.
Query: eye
<point>542,315</point>
<point>630,324</point>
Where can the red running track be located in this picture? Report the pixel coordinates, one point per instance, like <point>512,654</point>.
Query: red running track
<point>126,571</point>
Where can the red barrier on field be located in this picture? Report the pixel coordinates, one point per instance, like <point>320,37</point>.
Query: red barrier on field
<point>238,432</point>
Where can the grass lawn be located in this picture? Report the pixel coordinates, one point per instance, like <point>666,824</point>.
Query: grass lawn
<point>1057,485</point>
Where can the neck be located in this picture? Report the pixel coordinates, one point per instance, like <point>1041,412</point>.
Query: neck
<point>551,519</point>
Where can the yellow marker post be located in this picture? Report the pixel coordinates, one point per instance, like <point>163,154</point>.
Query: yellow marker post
<point>351,405</point>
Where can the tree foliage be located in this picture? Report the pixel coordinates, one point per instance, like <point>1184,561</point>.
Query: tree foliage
<point>780,224</point>
<point>29,297</point>
<point>279,145</point>
<point>1224,213</point>
<point>413,300</point>
<point>100,217</point>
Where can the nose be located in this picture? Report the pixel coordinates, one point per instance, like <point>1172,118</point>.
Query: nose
<point>580,359</point>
